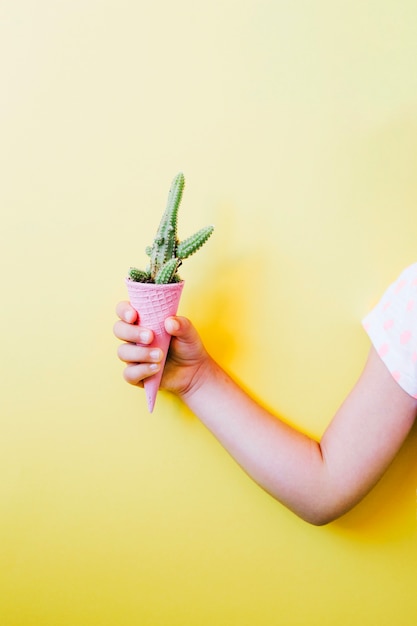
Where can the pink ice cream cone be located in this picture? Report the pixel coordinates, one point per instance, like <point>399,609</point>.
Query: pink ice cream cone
<point>154,303</point>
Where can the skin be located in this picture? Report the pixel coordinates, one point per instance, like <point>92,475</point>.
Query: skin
<point>317,480</point>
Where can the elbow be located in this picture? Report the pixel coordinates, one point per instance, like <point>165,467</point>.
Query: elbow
<point>319,518</point>
<point>322,513</point>
<point>319,510</point>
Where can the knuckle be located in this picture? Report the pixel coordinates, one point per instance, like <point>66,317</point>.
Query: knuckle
<point>120,352</point>
<point>130,375</point>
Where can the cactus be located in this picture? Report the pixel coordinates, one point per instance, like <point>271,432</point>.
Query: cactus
<point>167,252</point>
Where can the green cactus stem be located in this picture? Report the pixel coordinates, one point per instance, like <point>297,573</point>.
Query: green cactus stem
<point>190,245</point>
<point>163,247</point>
<point>167,252</point>
<point>138,275</point>
<point>167,272</point>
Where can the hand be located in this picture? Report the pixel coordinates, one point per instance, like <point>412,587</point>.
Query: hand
<point>186,360</point>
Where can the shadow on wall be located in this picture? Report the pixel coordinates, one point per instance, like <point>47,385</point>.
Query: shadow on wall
<point>381,187</point>
<point>220,304</point>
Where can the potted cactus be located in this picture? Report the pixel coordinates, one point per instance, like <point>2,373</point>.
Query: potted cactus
<point>155,292</point>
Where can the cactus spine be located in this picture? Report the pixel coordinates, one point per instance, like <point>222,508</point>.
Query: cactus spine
<point>167,252</point>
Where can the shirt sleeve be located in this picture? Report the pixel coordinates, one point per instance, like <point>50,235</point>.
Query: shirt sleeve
<point>392,329</point>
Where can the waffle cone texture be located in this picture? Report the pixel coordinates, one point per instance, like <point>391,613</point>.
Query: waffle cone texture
<point>154,303</point>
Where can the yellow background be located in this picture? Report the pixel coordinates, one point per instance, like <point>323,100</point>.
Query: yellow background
<point>295,124</point>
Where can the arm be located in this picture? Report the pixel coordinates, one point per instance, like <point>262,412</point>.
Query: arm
<point>319,481</point>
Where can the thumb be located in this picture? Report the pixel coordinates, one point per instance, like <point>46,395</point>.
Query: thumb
<point>182,329</point>
<point>187,346</point>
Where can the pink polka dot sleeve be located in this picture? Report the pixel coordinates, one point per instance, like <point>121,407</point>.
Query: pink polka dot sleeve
<point>392,328</point>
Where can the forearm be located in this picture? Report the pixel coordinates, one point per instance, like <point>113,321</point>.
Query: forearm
<point>283,461</point>
<point>318,481</point>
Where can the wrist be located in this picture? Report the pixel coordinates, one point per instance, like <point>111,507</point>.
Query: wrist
<point>204,373</point>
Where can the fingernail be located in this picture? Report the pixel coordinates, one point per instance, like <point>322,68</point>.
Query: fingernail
<point>154,367</point>
<point>155,355</point>
<point>173,325</point>
<point>144,336</point>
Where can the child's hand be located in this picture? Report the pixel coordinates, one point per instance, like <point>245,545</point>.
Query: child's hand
<point>187,357</point>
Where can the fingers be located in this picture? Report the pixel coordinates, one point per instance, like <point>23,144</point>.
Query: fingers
<point>136,373</point>
<point>133,334</point>
<point>127,329</point>
<point>126,312</point>
<point>141,362</point>
<point>130,353</point>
